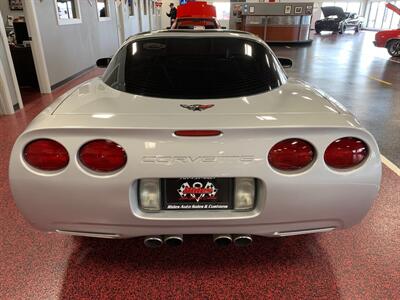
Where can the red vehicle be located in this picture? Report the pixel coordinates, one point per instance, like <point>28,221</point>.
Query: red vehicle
<point>196,15</point>
<point>390,39</point>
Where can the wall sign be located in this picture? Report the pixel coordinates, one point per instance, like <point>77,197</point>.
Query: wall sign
<point>15,4</point>
<point>298,10</point>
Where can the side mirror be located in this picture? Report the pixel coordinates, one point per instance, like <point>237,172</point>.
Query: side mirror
<point>103,62</point>
<point>285,62</point>
<point>169,27</point>
<point>223,27</point>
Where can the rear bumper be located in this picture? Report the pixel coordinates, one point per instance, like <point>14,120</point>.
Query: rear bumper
<point>268,230</point>
<point>76,200</point>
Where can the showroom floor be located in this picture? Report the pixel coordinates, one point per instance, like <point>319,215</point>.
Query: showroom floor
<point>361,262</point>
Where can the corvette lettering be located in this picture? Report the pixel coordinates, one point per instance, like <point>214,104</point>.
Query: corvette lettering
<point>168,160</point>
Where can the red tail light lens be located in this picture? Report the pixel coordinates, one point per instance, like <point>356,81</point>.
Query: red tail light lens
<point>345,153</point>
<point>198,132</point>
<point>291,155</point>
<point>102,156</point>
<point>46,154</point>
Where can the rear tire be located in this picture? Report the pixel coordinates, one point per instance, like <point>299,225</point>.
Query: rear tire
<point>393,47</point>
<point>358,28</point>
<point>342,29</point>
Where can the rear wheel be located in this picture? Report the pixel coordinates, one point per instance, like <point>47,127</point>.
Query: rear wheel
<point>342,29</point>
<point>393,47</point>
<point>357,28</point>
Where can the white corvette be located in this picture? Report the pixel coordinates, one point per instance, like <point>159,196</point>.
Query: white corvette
<point>194,133</point>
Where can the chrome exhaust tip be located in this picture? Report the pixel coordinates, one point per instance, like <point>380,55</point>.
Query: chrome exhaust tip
<point>222,240</point>
<point>153,241</point>
<point>173,240</point>
<point>242,240</point>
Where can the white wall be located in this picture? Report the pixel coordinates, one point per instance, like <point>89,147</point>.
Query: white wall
<point>156,18</point>
<point>139,21</point>
<point>145,19</point>
<point>70,49</point>
<point>131,23</point>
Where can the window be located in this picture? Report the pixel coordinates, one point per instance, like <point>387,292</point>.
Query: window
<point>223,10</point>
<point>380,17</point>
<point>131,7</point>
<point>194,68</point>
<point>354,7</point>
<point>103,10</point>
<point>347,6</point>
<point>67,12</point>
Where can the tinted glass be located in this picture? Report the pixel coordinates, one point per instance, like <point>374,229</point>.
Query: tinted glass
<point>194,68</point>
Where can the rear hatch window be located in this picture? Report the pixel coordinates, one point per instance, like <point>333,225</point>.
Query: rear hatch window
<point>194,68</point>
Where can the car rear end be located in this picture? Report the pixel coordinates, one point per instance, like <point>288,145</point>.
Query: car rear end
<point>328,24</point>
<point>118,159</point>
<point>153,181</point>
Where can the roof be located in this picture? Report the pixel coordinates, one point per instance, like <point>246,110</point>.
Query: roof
<point>196,33</point>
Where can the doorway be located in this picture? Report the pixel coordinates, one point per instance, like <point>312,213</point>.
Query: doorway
<point>19,44</point>
<point>22,45</point>
<point>10,97</point>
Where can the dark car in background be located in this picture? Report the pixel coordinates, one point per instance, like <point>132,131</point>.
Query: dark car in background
<point>336,20</point>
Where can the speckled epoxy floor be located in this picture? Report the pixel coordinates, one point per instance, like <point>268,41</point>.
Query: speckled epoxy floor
<point>359,263</point>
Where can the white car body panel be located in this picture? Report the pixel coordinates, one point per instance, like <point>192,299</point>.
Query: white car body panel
<point>80,201</point>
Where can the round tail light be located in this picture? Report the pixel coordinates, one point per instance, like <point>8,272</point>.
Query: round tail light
<point>291,154</point>
<point>46,154</point>
<point>346,152</point>
<point>102,156</point>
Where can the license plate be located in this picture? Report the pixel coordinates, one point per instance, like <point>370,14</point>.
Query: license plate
<point>197,193</point>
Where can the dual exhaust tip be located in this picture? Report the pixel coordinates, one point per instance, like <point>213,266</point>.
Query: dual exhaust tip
<point>157,241</point>
<point>221,240</point>
<point>240,240</point>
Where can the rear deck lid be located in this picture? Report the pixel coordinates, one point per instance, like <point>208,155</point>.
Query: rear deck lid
<point>96,98</point>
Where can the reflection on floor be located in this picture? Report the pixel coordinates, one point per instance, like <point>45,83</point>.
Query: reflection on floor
<point>361,262</point>
<point>361,76</point>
